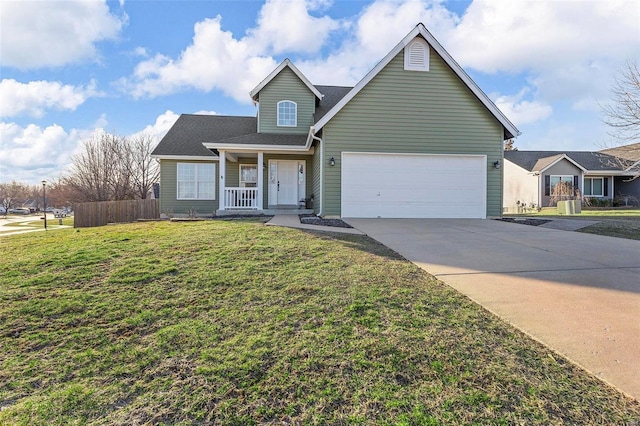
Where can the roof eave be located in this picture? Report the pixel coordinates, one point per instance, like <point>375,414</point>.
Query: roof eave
<point>261,147</point>
<point>185,157</point>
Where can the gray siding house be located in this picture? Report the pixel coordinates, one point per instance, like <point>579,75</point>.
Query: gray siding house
<point>416,137</point>
<point>531,177</point>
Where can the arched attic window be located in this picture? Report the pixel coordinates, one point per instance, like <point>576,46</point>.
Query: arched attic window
<point>416,55</point>
<point>287,114</point>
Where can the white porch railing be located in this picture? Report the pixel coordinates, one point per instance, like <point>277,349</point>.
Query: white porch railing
<point>241,198</point>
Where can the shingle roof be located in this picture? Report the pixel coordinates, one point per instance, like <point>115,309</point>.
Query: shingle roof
<point>190,131</point>
<point>629,152</point>
<point>332,95</point>
<point>593,161</point>
<point>546,161</point>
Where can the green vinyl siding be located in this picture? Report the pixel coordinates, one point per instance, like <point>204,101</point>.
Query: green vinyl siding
<point>315,177</point>
<point>170,205</point>
<point>285,86</point>
<point>399,111</point>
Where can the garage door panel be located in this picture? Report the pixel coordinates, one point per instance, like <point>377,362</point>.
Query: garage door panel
<point>413,186</point>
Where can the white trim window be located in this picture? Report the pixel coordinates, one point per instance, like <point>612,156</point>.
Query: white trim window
<point>248,175</point>
<point>593,187</point>
<point>196,181</point>
<point>561,185</point>
<point>287,114</point>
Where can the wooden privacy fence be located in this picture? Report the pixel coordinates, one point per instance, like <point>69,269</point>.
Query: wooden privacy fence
<point>100,213</point>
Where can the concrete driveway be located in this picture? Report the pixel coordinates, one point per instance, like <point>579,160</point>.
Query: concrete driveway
<point>577,293</point>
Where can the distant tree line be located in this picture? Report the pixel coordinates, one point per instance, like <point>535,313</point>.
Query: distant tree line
<point>108,168</point>
<point>112,167</point>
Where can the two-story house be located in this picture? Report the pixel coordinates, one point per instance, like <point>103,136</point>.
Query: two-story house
<point>416,137</point>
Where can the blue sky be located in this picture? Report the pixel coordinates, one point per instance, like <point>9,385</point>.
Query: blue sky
<point>69,69</point>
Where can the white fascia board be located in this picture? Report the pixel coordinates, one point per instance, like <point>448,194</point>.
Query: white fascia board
<point>421,30</point>
<point>255,148</point>
<point>186,157</point>
<point>563,157</point>
<point>275,72</point>
<point>608,173</point>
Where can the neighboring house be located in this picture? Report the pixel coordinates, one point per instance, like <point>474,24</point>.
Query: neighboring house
<point>416,137</point>
<point>530,177</point>
<point>628,185</point>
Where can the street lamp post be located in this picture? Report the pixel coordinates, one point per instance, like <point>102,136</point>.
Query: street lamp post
<point>44,202</point>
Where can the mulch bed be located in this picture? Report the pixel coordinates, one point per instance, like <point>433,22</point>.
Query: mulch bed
<point>311,219</point>
<point>531,222</point>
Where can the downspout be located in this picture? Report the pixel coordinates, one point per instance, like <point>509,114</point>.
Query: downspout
<point>321,146</point>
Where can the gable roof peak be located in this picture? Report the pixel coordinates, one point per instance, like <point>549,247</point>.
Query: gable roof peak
<point>284,64</point>
<point>510,130</point>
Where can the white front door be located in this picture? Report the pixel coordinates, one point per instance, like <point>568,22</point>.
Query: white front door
<point>283,185</point>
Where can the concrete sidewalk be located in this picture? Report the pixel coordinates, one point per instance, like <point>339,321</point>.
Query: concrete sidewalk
<point>577,293</point>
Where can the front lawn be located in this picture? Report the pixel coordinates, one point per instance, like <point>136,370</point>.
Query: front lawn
<point>234,322</point>
<point>621,223</point>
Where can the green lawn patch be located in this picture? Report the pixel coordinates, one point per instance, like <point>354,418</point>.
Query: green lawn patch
<point>620,223</point>
<point>590,213</point>
<point>234,322</point>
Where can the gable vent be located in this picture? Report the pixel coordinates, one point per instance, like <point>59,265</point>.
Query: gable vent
<point>416,55</point>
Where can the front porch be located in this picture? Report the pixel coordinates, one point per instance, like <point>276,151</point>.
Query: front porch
<point>258,182</point>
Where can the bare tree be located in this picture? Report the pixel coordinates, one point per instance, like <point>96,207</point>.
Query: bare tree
<point>141,168</point>
<point>13,194</point>
<point>95,173</point>
<point>509,145</point>
<point>111,167</point>
<point>622,115</point>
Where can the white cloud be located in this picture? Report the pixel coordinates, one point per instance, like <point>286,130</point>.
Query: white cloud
<point>287,26</point>
<point>536,35</point>
<point>521,111</point>
<point>37,34</point>
<point>30,154</point>
<point>35,97</point>
<point>101,122</point>
<point>217,60</point>
<point>214,60</point>
<point>205,112</point>
<point>160,127</point>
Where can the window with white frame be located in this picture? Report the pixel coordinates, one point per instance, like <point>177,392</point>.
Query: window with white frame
<point>593,187</point>
<point>287,114</point>
<point>248,175</point>
<point>196,181</point>
<point>561,185</point>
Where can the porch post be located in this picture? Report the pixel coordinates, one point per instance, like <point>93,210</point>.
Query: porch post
<point>260,179</point>
<point>221,187</point>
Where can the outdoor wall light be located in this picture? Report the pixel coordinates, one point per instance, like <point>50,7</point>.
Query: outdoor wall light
<point>496,164</point>
<point>332,162</point>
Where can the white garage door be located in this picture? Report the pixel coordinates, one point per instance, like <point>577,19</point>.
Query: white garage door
<point>414,186</point>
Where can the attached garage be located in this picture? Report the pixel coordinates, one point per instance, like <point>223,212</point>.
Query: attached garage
<point>413,185</point>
